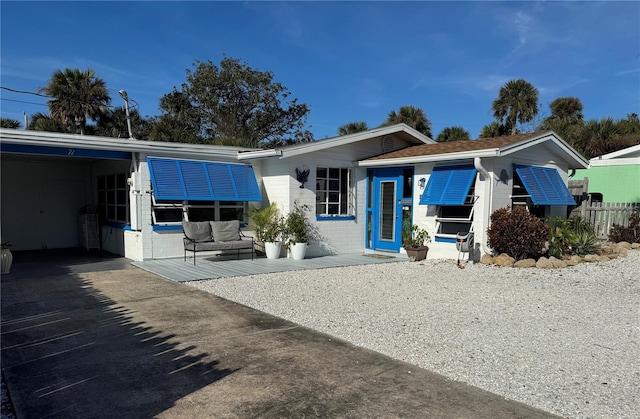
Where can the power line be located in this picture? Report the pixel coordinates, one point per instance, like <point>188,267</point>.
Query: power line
<point>24,92</point>
<point>112,107</point>
<point>24,101</point>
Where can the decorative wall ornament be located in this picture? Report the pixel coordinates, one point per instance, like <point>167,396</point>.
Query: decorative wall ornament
<point>302,176</point>
<point>503,178</point>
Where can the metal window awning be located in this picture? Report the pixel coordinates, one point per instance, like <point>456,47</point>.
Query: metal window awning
<point>545,185</point>
<point>448,185</point>
<point>195,180</point>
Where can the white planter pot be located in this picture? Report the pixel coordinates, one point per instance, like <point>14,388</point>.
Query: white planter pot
<point>7,260</point>
<point>298,251</point>
<point>272,249</point>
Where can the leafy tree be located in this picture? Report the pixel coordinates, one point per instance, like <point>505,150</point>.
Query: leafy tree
<point>352,128</point>
<point>453,134</point>
<point>494,129</point>
<point>43,122</point>
<point>412,116</point>
<point>517,102</point>
<point>232,103</point>
<point>78,96</point>
<point>305,136</point>
<point>9,123</point>
<point>178,122</point>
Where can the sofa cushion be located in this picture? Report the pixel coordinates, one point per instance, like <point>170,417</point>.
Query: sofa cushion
<point>198,231</point>
<point>224,231</point>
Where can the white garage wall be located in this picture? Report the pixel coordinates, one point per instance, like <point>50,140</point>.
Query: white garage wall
<point>41,202</point>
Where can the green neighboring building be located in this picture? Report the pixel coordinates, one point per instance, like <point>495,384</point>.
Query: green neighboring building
<point>615,175</point>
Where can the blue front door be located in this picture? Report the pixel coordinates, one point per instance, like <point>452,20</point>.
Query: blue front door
<point>386,209</point>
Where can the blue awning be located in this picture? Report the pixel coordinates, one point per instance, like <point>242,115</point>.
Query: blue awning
<point>193,180</point>
<point>448,185</point>
<point>545,186</point>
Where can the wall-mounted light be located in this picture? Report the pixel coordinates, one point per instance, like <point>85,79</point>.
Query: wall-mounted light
<point>422,182</point>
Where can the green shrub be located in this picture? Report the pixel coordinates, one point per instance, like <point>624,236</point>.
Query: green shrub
<point>517,233</point>
<point>631,234</point>
<point>571,236</point>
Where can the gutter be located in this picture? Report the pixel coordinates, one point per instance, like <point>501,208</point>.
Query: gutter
<point>477,163</point>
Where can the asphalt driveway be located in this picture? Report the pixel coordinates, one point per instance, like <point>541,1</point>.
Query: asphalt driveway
<point>113,342</point>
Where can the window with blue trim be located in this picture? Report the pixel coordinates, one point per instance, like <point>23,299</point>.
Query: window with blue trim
<point>452,190</point>
<point>167,212</point>
<point>194,190</point>
<point>538,188</point>
<point>334,197</point>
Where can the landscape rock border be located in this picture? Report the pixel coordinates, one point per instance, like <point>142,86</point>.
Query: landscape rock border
<point>608,251</point>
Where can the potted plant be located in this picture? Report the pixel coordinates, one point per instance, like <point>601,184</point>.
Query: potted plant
<point>268,226</point>
<point>297,231</point>
<point>7,257</point>
<point>414,243</point>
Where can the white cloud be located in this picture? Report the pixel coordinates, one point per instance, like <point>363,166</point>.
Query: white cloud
<point>625,72</point>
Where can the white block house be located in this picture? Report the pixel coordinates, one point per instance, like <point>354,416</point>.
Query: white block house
<point>360,188</point>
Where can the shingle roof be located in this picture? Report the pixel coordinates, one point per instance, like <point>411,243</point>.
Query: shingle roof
<point>458,146</point>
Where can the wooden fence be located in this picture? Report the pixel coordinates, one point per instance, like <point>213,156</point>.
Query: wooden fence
<point>603,215</point>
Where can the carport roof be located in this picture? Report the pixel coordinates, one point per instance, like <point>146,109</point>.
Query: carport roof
<point>89,142</point>
<point>488,147</point>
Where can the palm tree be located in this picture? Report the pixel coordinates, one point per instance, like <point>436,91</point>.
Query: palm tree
<point>77,96</point>
<point>412,116</point>
<point>566,119</point>
<point>517,101</point>
<point>114,124</point>
<point>604,136</point>
<point>569,108</point>
<point>352,128</point>
<point>494,129</point>
<point>43,122</point>
<point>9,123</point>
<point>453,134</point>
<point>598,137</point>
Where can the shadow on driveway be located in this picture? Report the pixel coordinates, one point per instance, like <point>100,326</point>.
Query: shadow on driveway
<point>117,342</point>
<point>68,350</point>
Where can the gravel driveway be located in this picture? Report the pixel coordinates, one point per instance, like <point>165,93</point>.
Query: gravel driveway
<point>566,341</point>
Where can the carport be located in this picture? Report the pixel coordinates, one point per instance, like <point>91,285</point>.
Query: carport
<point>45,189</point>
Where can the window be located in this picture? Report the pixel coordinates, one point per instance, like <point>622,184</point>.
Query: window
<point>113,198</point>
<point>452,189</point>
<point>333,192</point>
<point>537,188</point>
<point>173,212</point>
<point>454,219</point>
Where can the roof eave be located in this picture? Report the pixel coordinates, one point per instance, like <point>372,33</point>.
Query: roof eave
<point>574,159</point>
<point>465,155</point>
<point>298,149</point>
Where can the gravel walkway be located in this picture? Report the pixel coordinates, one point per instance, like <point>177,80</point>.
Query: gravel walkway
<point>566,341</point>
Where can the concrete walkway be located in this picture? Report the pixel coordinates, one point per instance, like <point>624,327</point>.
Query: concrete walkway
<point>126,343</point>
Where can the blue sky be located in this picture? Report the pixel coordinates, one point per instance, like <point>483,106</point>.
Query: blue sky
<point>349,61</point>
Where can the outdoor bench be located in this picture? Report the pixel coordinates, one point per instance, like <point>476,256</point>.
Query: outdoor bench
<point>204,236</point>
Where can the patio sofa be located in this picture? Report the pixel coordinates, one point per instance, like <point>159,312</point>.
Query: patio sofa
<point>204,236</point>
